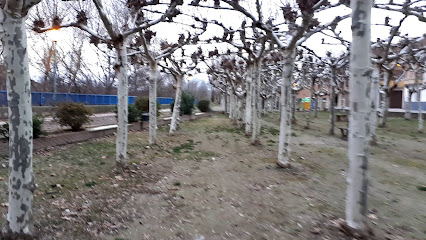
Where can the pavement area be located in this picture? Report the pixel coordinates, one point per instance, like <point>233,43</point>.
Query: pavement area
<point>100,119</point>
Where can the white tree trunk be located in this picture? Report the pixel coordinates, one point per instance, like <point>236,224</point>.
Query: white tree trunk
<point>374,103</point>
<point>123,102</point>
<point>285,123</point>
<point>385,101</point>
<point>176,107</point>
<point>408,106</point>
<point>270,104</point>
<point>384,110</point>
<point>153,104</point>
<point>293,107</point>
<point>332,96</point>
<point>231,106</point>
<point>249,106</point>
<point>419,107</point>
<point>360,76</point>
<point>226,102</point>
<point>256,105</point>
<point>21,177</point>
<point>240,115</point>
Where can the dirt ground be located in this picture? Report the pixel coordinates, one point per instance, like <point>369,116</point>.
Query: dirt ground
<point>209,182</point>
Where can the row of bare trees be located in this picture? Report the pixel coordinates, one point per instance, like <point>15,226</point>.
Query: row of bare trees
<point>256,73</point>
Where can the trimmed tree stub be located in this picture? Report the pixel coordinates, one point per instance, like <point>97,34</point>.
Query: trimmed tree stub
<point>21,178</point>
<point>359,125</point>
<point>122,107</point>
<point>285,123</point>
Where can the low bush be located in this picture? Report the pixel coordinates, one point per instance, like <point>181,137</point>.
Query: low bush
<point>74,115</point>
<point>204,105</point>
<point>37,127</point>
<point>186,104</point>
<point>4,130</point>
<point>133,113</point>
<point>142,103</point>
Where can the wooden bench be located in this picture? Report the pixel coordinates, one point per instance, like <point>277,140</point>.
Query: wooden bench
<point>344,132</point>
<point>341,117</point>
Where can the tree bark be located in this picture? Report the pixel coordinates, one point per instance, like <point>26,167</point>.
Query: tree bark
<point>374,102</point>
<point>332,110</point>
<point>360,76</point>
<point>293,108</point>
<point>408,106</point>
<point>384,110</point>
<point>21,177</point>
<point>385,100</point>
<point>419,106</point>
<point>176,107</point>
<point>153,104</point>
<point>285,123</point>
<point>316,107</point>
<point>123,102</point>
<point>240,115</point>
<point>256,105</point>
<point>248,107</point>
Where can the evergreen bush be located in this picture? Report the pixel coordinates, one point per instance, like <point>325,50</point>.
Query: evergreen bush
<point>74,115</point>
<point>204,105</point>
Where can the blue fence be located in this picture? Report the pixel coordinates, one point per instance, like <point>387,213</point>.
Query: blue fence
<point>46,99</point>
<point>165,100</point>
<point>415,105</point>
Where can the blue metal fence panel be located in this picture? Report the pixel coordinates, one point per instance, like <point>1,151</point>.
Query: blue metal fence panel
<point>165,100</point>
<point>415,106</point>
<point>3,98</point>
<point>46,99</point>
<point>132,99</point>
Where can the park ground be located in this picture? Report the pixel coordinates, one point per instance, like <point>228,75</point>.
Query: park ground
<point>209,182</point>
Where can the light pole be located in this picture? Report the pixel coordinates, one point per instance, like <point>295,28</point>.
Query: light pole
<point>54,72</point>
<point>189,78</point>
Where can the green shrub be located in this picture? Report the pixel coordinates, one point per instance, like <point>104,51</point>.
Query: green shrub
<point>133,113</point>
<point>4,130</point>
<point>74,115</point>
<point>37,127</point>
<point>186,104</point>
<point>204,105</point>
<point>142,103</point>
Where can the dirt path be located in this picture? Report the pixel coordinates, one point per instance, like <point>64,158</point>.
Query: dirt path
<point>225,188</point>
<point>209,182</point>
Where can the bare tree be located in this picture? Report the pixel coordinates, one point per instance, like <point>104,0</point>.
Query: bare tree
<point>296,32</point>
<point>115,32</point>
<point>21,177</point>
<point>360,77</point>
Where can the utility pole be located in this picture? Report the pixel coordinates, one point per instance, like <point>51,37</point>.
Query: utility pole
<point>54,72</point>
